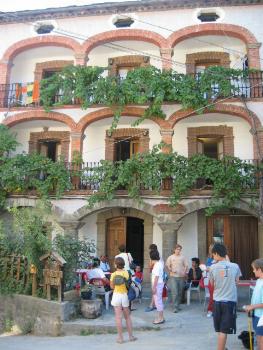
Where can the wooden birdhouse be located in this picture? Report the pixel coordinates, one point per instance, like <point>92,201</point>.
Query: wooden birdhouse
<point>53,274</point>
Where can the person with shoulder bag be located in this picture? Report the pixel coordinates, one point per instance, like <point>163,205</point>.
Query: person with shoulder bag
<point>120,301</point>
<point>128,260</point>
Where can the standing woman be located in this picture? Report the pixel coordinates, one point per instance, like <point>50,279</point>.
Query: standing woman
<point>152,247</point>
<point>157,285</point>
<point>120,300</point>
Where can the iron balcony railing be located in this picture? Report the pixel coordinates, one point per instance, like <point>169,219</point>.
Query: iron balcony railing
<point>28,94</point>
<point>82,178</point>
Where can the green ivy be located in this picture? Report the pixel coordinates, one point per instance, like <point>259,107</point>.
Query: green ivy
<point>142,86</point>
<point>22,172</point>
<point>230,178</point>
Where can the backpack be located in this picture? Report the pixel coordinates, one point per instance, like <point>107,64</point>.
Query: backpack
<point>118,280</point>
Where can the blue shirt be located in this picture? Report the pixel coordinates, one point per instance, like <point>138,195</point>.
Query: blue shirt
<point>105,266</point>
<point>257,297</point>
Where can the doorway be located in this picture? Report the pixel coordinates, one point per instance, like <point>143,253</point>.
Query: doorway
<point>128,231</point>
<point>50,149</point>
<point>125,149</point>
<point>239,233</point>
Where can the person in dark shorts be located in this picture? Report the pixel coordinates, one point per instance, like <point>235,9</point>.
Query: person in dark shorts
<point>224,275</point>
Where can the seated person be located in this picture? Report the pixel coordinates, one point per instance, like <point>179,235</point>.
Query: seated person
<point>96,272</point>
<point>194,274</point>
<point>138,274</point>
<point>104,264</point>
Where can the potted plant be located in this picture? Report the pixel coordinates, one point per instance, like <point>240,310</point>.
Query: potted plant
<point>76,165</point>
<point>86,291</point>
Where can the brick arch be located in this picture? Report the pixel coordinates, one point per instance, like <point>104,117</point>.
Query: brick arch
<point>39,41</point>
<point>250,117</point>
<point>124,34</point>
<point>108,113</point>
<point>39,115</point>
<point>203,203</point>
<point>220,29</point>
<point>218,108</point>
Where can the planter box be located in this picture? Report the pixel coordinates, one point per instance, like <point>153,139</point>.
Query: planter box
<point>91,308</point>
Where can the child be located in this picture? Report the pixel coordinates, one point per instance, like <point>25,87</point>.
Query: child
<point>257,301</point>
<point>120,300</point>
<point>138,274</point>
<point>224,275</point>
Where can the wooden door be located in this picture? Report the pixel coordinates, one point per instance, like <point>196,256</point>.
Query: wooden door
<point>240,235</point>
<point>244,230</point>
<point>218,231</point>
<point>116,235</point>
<point>134,147</point>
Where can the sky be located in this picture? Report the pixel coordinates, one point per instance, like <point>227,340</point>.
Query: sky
<point>21,5</point>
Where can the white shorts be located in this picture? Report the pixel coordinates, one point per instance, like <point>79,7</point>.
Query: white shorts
<point>120,299</point>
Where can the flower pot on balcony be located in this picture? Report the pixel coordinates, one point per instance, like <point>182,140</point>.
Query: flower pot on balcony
<point>91,308</point>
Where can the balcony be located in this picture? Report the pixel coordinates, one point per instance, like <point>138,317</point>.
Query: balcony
<point>83,181</point>
<point>28,94</point>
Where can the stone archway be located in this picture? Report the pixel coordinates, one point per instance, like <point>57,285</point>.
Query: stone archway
<point>125,212</point>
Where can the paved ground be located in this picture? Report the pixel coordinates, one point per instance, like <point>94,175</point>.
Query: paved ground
<point>189,329</point>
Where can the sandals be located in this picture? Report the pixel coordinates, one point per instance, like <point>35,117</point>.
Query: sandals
<point>133,339</point>
<point>119,341</point>
<point>159,322</point>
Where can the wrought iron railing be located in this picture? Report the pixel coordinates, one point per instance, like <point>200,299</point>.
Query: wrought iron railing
<point>28,94</point>
<point>82,178</point>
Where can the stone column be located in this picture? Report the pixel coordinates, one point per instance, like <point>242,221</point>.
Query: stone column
<point>101,235</point>
<point>169,237</point>
<point>166,56</point>
<point>167,137</point>
<point>71,228</point>
<point>81,59</point>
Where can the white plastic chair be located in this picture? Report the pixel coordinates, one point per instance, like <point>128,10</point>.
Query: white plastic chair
<point>207,293</point>
<point>190,290</point>
<point>100,290</point>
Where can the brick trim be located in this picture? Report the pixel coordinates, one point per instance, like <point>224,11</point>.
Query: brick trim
<point>220,29</point>
<point>108,113</point>
<point>249,116</point>
<point>124,34</point>
<point>206,57</point>
<point>218,108</point>
<point>142,135</point>
<point>131,60</point>
<point>40,41</point>
<point>49,65</point>
<point>39,115</point>
<point>222,131</point>
<point>61,136</point>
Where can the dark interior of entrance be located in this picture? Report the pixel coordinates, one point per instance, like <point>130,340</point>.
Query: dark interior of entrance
<point>134,239</point>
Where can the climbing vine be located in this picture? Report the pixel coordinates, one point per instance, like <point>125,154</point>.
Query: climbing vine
<point>23,172</point>
<point>143,86</point>
<point>228,179</point>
